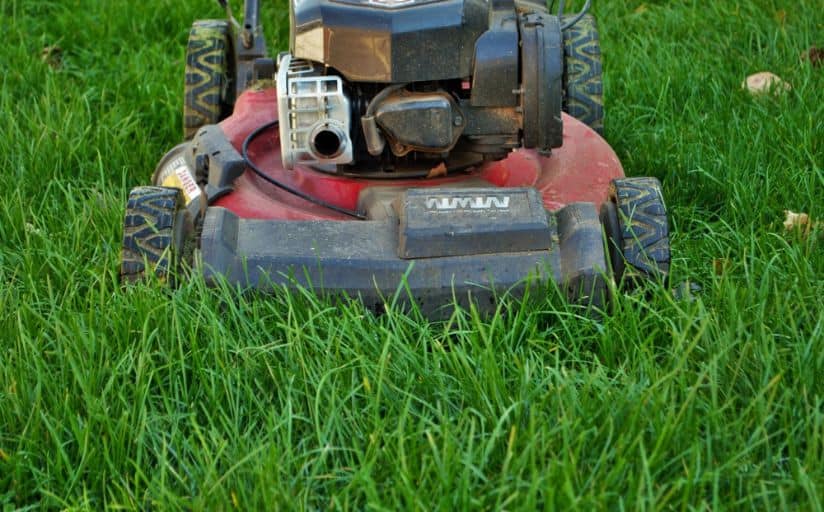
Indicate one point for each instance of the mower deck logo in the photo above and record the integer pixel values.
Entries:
(468, 203)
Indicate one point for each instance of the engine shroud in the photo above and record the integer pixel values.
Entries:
(389, 41)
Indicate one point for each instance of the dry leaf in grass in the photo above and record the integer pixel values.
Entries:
(52, 55)
(814, 56)
(720, 265)
(765, 83)
(641, 9)
(800, 222)
(795, 220)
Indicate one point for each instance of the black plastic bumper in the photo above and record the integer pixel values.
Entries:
(362, 259)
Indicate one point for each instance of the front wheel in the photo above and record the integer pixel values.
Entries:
(637, 231)
(156, 232)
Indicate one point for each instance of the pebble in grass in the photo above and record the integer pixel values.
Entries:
(765, 83)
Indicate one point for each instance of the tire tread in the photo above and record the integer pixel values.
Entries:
(148, 232)
(644, 234)
(583, 82)
(206, 79)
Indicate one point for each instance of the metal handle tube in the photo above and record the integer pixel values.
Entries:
(251, 21)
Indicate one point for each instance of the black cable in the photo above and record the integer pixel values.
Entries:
(320, 202)
(571, 23)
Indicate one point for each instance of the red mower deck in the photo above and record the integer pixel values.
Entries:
(579, 171)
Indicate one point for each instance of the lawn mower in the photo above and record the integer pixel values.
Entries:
(426, 152)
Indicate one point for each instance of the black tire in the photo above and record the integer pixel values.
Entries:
(637, 229)
(583, 82)
(155, 232)
(208, 90)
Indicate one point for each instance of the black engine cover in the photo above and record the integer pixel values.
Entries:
(390, 41)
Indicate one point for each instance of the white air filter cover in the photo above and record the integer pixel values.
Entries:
(313, 112)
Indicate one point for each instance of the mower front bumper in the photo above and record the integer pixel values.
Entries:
(362, 259)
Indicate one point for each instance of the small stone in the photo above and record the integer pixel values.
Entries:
(765, 83)
(687, 291)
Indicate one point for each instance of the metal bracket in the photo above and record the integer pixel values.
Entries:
(250, 45)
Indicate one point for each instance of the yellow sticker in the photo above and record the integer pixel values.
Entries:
(180, 177)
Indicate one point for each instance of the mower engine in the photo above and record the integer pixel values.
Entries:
(409, 85)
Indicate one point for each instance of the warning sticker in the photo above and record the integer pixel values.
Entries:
(180, 177)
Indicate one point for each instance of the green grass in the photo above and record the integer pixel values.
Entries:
(198, 398)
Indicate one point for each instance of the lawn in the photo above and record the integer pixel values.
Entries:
(197, 398)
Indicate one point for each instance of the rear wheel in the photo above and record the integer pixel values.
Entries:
(583, 84)
(208, 95)
(156, 229)
(637, 229)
